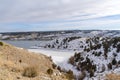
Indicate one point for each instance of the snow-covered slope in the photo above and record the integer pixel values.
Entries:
(95, 57)
(77, 41)
(100, 56)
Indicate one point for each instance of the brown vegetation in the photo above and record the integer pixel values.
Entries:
(50, 71)
(30, 72)
(1, 43)
(112, 76)
(16, 63)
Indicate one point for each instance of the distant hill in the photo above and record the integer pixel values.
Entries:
(34, 35)
(51, 35)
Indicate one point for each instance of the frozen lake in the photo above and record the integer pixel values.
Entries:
(24, 44)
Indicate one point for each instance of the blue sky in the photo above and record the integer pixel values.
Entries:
(45, 15)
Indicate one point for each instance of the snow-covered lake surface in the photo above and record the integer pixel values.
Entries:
(59, 57)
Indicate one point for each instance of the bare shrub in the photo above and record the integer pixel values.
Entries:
(109, 66)
(70, 75)
(30, 72)
(114, 62)
(50, 71)
(59, 68)
(1, 43)
(71, 60)
(91, 73)
(82, 76)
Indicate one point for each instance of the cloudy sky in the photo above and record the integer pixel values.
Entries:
(45, 15)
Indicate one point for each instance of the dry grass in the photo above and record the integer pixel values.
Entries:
(20, 64)
(113, 76)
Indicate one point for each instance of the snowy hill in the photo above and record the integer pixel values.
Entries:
(51, 35)
(95, 56)
(100, 56)
(77, 40)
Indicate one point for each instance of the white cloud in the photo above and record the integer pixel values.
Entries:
(33, 11)
(45, 10)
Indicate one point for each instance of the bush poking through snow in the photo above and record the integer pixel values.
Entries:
(71, 60)
(91, 73)
(114, 62)
(82, 75)
(109, 66)
(30, 72)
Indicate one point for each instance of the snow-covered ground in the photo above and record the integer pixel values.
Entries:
(59, 57)
(100, 56)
